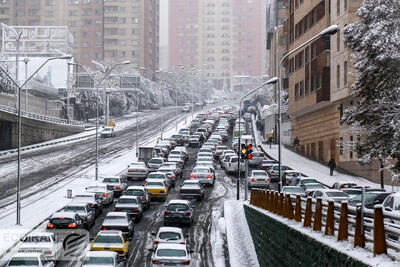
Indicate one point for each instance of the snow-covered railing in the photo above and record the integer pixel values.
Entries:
(375, 226)
(41, 117)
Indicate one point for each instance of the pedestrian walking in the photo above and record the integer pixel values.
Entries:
(332, 166)
(296, 142)
(270, 141)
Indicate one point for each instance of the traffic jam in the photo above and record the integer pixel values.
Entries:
(106, 215)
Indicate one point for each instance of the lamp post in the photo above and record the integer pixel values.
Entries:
(270, 81)
(106, 74)
(328, 31)
(26, 60)
(19, 88)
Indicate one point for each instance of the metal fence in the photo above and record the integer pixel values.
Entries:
(41, 117)
(378, 227)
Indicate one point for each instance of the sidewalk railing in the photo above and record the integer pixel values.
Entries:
(41, 117)
(380, 228)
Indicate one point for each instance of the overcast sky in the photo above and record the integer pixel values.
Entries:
(163, 22)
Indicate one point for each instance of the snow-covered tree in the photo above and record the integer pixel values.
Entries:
(375, 40)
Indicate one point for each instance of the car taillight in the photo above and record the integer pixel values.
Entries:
(105, 194)
(268, 181)
(175, 171)
(72, 225)
(173, 177)
(156, 262)
(48, 252)
(166, 212)
(209, 176)
(272, 171)
(185, 262)
(162, 191)
(116, 209)
(156, 242)
(143, 198)
(252, 180)
(182, 243)
(340, 187)
(192, 175)
(188, 213)
(104, 228)
(50, 225)
(117, 188)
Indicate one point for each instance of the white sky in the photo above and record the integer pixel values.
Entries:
(164, 22)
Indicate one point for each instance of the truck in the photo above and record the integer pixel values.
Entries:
(146, 153)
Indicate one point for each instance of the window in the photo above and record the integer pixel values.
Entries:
(301, 88)
(340, 113)
(338, 7)
(338, 40)
(296, 91)
(338, 76)
(341, 145)
(351, 146)
(345, 73)
(307, 54)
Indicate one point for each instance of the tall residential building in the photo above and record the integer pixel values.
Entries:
(223, 38)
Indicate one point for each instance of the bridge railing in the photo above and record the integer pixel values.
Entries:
(375, 227)
(41, 117)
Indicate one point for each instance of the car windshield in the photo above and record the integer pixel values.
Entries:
(127, 201)
(37, 239)
(308, 181)
(74, 208)
(353, 192)
(259, 174)
(314, 186)
(171, 253)
(200, 170)
(134, 192)
(61, 220)
(177, 207)
(107, 130)
(219, 148)
(336, 194)
(169, 236)
(111, 180)
(83, 198)
(155, 161)
(257, 154)
(26, 261)
(176, 136)
(293, 190)
(99, 261)
(108, 239)
(175, 152)
(156, 176)
(367, 196)
(115, 219)
(155, 184)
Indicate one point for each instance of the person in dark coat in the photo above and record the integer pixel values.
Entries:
(332, 166)
(270, 141)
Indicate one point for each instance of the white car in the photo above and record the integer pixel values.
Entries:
(330, 194)
(155, 163)
(43, 243)
(258, 178)
(108, 132)
(101, 258)
(232, 165)
(169, 235)
(30, 259)
(171, 255)
(103, 192)
(137, 170)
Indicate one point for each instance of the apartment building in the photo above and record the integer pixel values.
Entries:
(223, 38)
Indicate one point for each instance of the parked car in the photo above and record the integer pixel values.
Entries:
(203, 175)
(157, 188)
(293, 190)
(258, 178)
(392, 203)
(111, 241)
(192, 189)
(84, 211)
(178, 211)
(131, 205)
(101, 190)
(117, 184)
(107, 132)
(43, 243)
(32, 259)
(370, 199)
(341, 185)
(65, 220)
(102, 258)
(330, 194)
(257, 158)
(141, 193)
(137, 170)
(169, 235)
(95, 202)
(171, 255)
(118, 221)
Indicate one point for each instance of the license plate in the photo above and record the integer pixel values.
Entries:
(169, 264)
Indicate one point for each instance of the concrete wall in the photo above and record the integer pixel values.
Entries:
(33, 131)
(36, 104)
(277, 245)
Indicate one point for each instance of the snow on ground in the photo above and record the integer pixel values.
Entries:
(240, 243)
(344, 247)
(217, 237)
(35, 209)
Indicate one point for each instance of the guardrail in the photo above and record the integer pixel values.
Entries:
(374, 226)
(41, 117)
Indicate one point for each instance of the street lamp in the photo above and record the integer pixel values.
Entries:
(107, 73)
(19, 88)
(328, 31)
(270, 81)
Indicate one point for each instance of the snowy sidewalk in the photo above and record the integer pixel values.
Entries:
(317, 170)
(240, 243)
